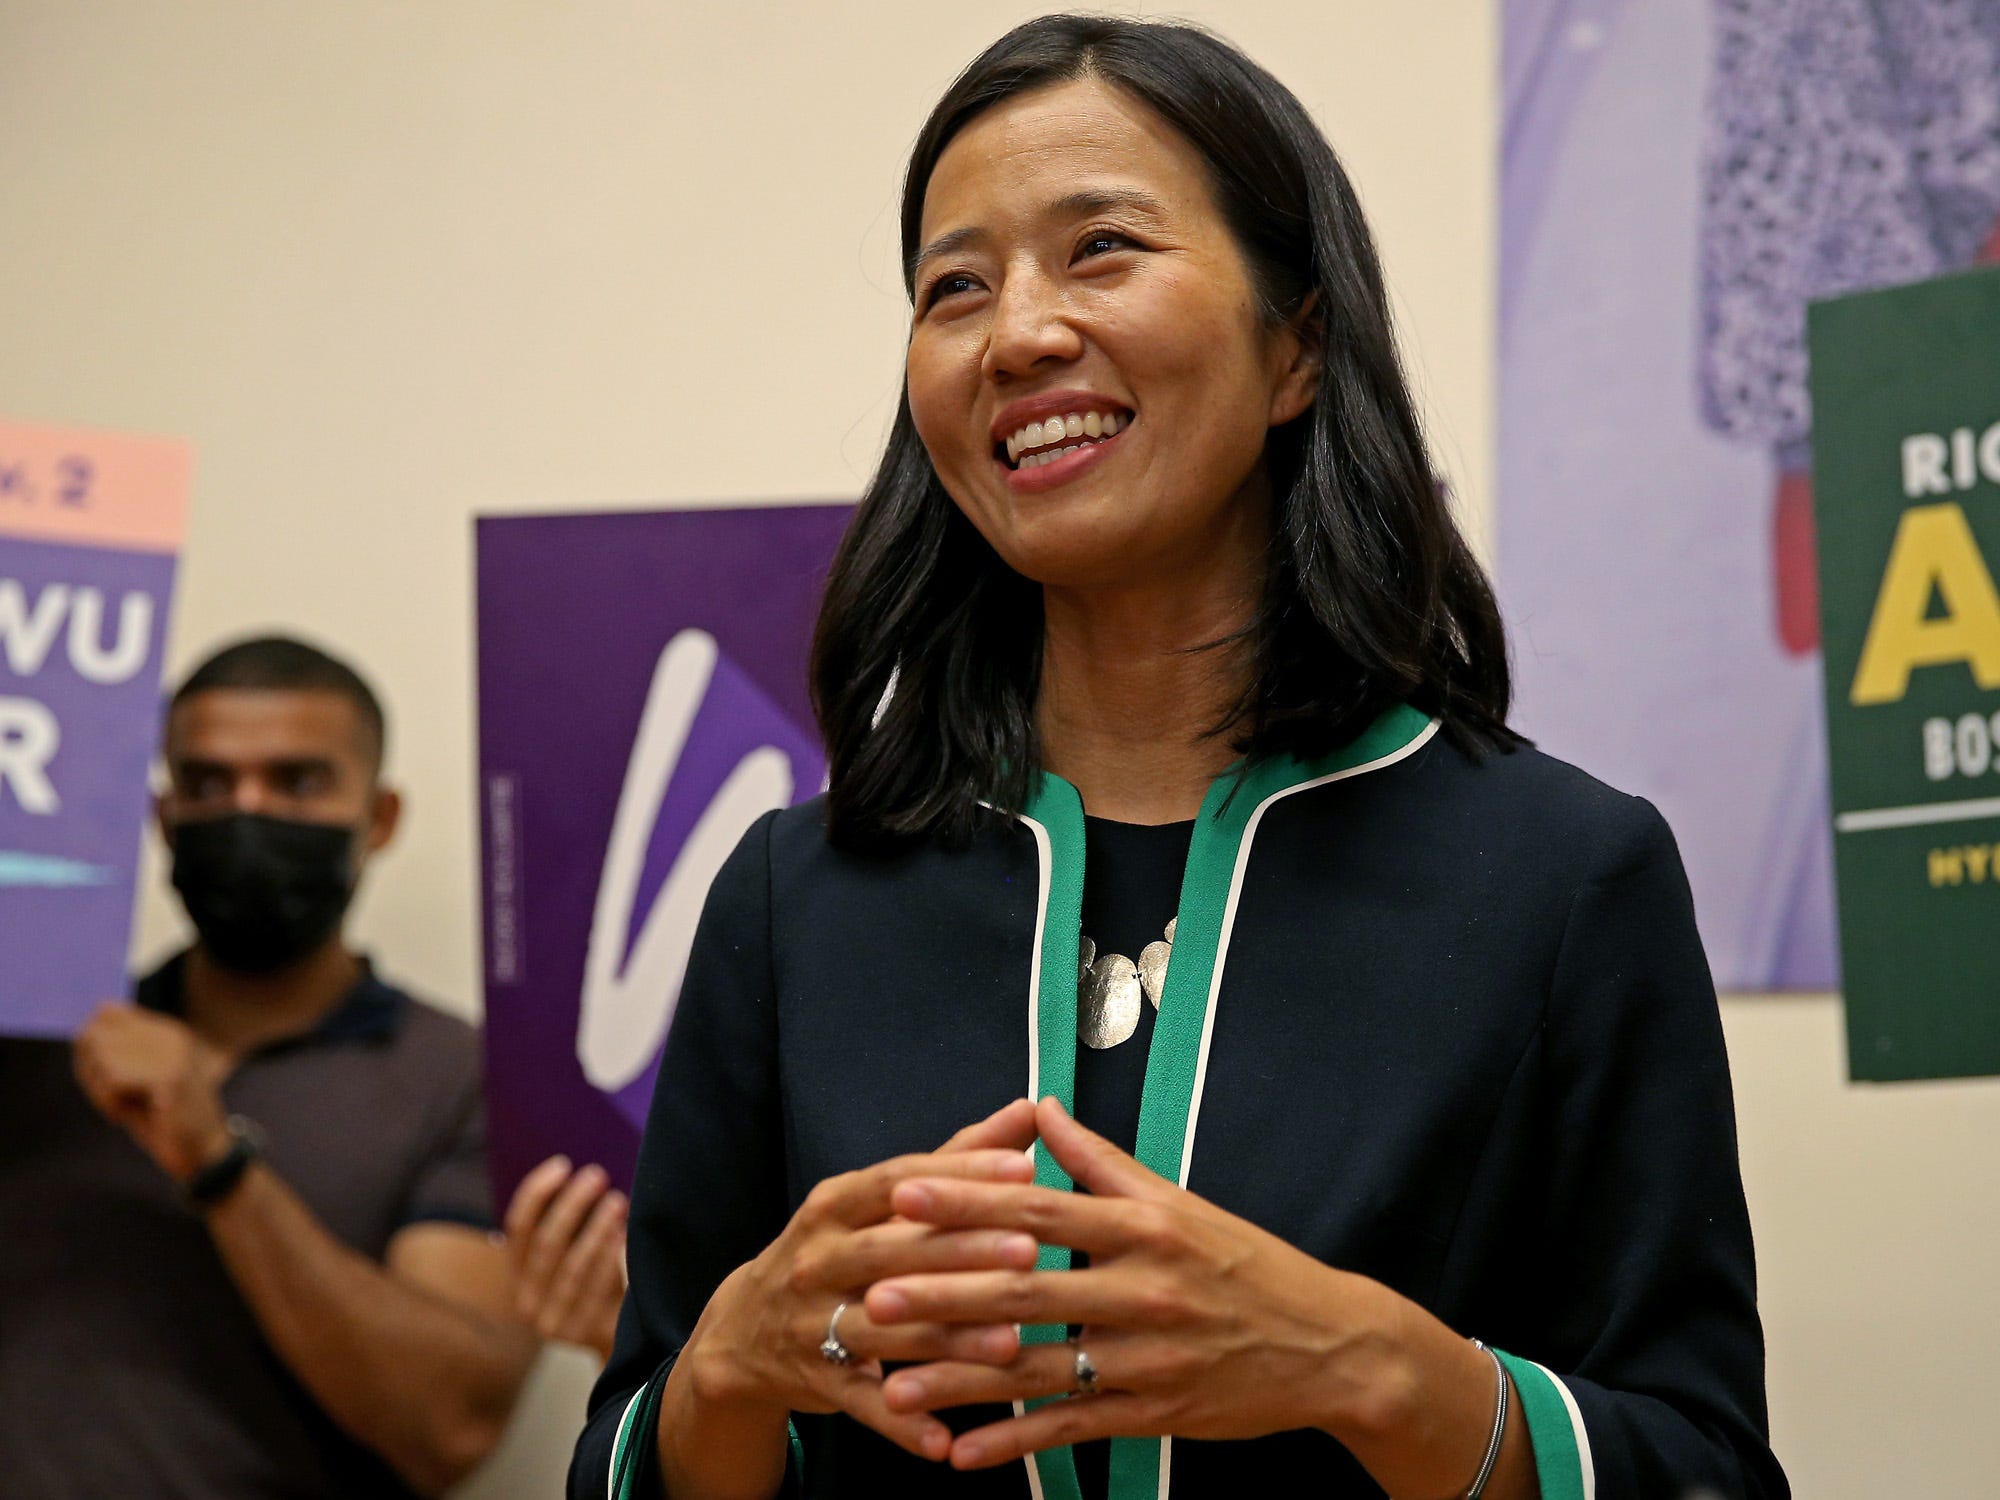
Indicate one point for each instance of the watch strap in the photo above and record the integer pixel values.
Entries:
(215, 1180)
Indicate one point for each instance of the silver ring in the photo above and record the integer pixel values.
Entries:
(1086, 1373)
(830, 1348)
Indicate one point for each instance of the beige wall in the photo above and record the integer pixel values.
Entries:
(390, 266)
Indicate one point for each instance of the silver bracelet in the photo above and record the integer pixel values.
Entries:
(1499, 1424)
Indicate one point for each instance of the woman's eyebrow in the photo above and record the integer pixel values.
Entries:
(1076, 205)
(944, 244)
(1088, 201)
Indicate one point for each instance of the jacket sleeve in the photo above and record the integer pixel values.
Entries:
(1649, 1375)
(709, 1191)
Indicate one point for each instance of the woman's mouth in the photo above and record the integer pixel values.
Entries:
(1045, 453)
(1042, 442)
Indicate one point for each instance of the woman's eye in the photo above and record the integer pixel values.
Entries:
(1102, 242)
(948, 285)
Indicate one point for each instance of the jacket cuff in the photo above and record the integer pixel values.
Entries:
(634, 1471)
(1555, 1429)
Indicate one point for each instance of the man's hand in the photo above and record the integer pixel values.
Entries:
(566, 1236)
(152, 1076)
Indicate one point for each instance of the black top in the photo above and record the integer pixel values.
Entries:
(129, 1363)
(1132, 890)
(1464, 1042)
(1129, 895)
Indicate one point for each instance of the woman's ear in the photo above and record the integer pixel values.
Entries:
(1301, 347)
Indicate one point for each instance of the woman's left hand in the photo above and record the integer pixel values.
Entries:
(1198, 1323)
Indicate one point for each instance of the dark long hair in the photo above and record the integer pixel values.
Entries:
(1371, 595)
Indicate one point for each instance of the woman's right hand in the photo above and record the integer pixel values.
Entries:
(757, 1345)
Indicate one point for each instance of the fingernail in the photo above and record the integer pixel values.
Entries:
(563, 1162)
(937, 1443)
(888, 1304)
(1019, 1247)
(910, 1390)
(1000, 1344)
(916, 1198)
(967, 1453)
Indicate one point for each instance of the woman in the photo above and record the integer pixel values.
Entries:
(1154, 658)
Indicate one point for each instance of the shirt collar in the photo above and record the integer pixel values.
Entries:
(371, 1010)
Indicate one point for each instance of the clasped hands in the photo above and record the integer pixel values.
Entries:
(1199, 1323)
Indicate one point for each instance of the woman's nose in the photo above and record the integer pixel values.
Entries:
(1031, 326)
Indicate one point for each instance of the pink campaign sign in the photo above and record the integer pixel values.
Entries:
(93, 489)
(90, 528)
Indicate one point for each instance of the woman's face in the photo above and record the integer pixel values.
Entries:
(1080, 294)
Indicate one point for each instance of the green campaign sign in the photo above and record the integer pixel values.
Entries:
(1906, 473)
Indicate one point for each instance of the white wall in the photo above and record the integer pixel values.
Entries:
(391, 266)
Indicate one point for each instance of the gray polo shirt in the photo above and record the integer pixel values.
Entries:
(129, 1364)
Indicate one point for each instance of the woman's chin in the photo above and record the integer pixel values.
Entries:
(1071, 544)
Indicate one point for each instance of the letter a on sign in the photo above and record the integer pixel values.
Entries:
(1934, 549)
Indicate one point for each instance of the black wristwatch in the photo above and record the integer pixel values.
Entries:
(213, 1182)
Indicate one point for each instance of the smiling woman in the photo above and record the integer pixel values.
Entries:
(1153, 636)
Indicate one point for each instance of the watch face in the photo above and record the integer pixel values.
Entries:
(247, 1132)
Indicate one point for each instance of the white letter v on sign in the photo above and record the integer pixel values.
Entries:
(627, 1005)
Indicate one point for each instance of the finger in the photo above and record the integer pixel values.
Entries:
(860, 1198)
(1039, 1370)
(1091, 1160)
(113, 1091)
(92, 1078)
(109, 1091)
(1111, 1295)
(531, 1201)
(1078, 1420)
(597, 1322)
(924, 1343)
(899, 1247)
(913, 1432)
(1012, 1124)
(83, 1066)
(1051, 1216)
(598, 1239)
(531, 1198)
(552, 1236)
(107, 1017)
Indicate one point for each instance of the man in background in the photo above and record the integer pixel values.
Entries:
(246, 1243)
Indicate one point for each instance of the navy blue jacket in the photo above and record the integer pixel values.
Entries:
(1463, 1040)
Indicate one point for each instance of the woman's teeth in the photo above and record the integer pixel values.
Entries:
(1080, 425)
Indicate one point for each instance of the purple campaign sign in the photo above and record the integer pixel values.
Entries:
(642, 701)
(81, 630)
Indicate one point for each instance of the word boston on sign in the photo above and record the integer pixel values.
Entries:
(90, 523)
(1906, 401)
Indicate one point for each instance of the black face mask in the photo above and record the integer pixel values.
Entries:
(263, 892)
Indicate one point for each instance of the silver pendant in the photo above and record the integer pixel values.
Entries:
(1107, 1005)
(1153, 969)
(1108, 989)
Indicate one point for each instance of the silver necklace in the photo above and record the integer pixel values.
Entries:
(1109, 989)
